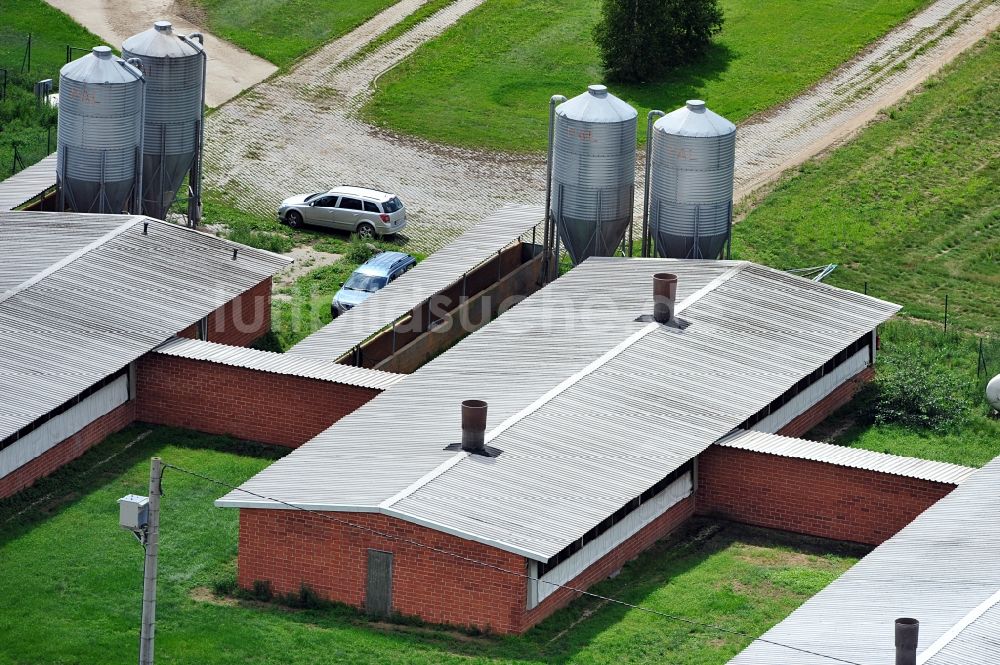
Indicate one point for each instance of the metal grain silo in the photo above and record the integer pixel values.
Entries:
(592, 164)
(689, 202)
(100, 134)
(174, 66)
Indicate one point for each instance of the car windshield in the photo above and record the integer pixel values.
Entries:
(392, 205)
(310, 197)
(369, 283)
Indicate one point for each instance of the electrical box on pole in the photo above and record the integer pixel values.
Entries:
(141, 516)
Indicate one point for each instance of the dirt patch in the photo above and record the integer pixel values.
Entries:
(304, 260)
(773, 557)
(424, 630)
(202, 594)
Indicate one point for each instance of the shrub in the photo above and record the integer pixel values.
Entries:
(916, 394)
(262, 591)
(642, 39)
(361, 250)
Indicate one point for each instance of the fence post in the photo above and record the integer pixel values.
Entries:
(27, 57)
(866, 288)
(946, 313)
(981, 361)
(3, 89)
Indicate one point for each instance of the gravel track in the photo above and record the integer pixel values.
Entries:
(300, 131)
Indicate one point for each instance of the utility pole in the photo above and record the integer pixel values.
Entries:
(149, 570)
(141, 516)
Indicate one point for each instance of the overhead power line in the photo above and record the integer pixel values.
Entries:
(416, 543)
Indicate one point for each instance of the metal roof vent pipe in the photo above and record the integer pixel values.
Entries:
(906, 641)
(474, 430)
(664, 297)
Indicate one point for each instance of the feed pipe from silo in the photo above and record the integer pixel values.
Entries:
(196, 208)
(549, 220)
(655, 113)
(136, 64)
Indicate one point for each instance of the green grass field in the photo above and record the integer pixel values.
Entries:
(282, 31)
(486, 81)
(72, 581)
(911, 206)
(21, 121)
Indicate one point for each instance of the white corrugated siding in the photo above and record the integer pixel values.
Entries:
(814, 393)
(64, 425)
(673, 494)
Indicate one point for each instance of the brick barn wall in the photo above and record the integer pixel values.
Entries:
(247, 404)
(290, 548)
(241, 321)
(824, 408)
(68, 449)
(809, 497)
(674, 517)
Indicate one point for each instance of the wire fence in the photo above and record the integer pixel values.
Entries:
(27, 118)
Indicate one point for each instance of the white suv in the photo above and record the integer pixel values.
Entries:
(367, 212)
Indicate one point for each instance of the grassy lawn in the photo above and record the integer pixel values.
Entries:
(282, 31)
(72, 581)
(911, 207)
(21, 121)
(502, 62)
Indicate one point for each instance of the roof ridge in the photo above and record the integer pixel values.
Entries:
(567, 383)
(953, 632)
(70, 258)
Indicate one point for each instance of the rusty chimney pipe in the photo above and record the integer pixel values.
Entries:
(906, 641)
(474, 426)
(664, 296)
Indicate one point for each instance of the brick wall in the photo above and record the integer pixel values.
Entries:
(244, 403)
(240, 321)
(290, 548)
(68, 449)
(824, 408)
(809, 497)
(674, 517)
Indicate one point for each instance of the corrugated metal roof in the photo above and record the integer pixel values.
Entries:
(938, 569)
(438, 271)
(978, 642)
(27, 184)
(857, 458)
(278, 363)
(590, 406)
(105, 302)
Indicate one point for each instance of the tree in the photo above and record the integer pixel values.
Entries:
(642, 39)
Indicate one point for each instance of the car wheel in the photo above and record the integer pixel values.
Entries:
(294, 219)
(366, 231)
(334, 310)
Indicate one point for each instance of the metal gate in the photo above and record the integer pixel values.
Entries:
(378, 592)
